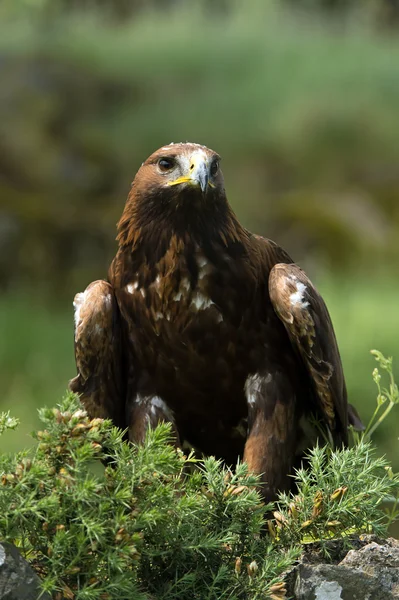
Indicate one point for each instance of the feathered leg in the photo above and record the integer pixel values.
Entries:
(272, 431)
(98, 353)
(147, 411)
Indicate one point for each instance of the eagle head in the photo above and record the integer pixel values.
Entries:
(179, 172)
(179, 188)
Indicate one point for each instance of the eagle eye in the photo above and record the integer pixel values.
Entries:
(166, 164)
(214, 167)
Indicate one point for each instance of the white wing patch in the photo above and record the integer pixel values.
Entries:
(196, 299)
(201, 261)
(158, 404)
(154, 405)
(160, 315)
(204, 267)
(253, 386)
(157, 284)
(132, 287)
(83, 300)
(185, 284)
(78, 301)
(201, 302)
(297, 298)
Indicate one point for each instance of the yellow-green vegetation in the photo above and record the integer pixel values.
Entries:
(303, 112)
(322, 508)
(303, 107)
(157, 524)
(145, 527)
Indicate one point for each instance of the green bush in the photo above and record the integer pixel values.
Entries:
(339, 493)
(156, 524)
(143, 527)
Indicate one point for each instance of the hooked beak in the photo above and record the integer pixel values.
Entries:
(198, 173)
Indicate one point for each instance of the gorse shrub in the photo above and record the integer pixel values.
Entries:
(142, 527)
(339, 493)
(100, 519)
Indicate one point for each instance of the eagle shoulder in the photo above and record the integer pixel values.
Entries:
(98, 352)
(306, 319)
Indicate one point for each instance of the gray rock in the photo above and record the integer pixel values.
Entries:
(368, 573)
(18, 581)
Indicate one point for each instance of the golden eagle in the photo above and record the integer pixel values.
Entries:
(208, 326)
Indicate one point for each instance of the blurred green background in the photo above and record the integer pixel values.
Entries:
(301, 99)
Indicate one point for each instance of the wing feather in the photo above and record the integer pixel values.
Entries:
(98, 352)
(308, 324)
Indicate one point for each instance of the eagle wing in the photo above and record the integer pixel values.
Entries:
(98, 353)
(306, 319)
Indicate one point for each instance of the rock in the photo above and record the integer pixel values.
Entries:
(18, 581)
(368, 573)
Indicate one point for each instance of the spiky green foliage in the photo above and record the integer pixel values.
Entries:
(7, 422)
(143, 527)
(339, 493)
(154, 524)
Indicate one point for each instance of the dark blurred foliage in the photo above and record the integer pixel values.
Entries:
(300, 97)
(380, 13)
(305, 116)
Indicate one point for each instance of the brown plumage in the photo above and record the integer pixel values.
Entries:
(207, 326)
